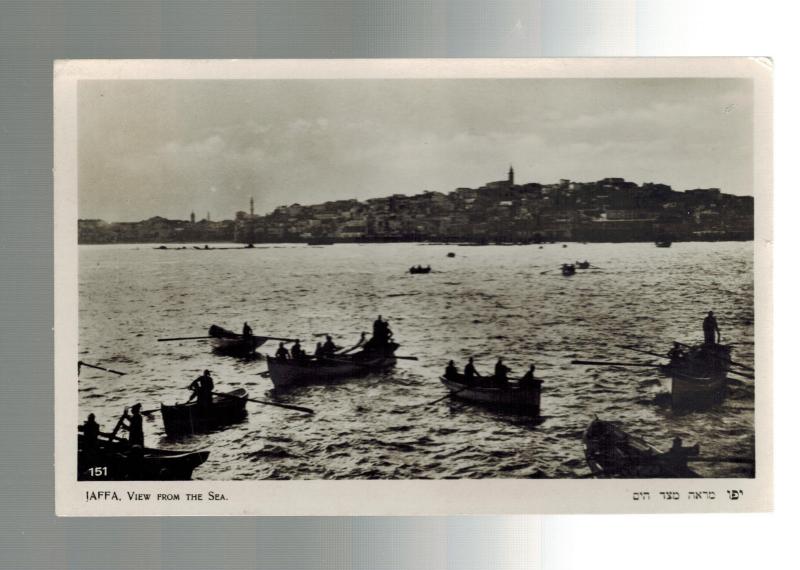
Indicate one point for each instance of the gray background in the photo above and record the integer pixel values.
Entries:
(34, 33)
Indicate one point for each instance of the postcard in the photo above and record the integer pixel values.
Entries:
(413, 287)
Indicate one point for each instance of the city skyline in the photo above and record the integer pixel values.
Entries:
(167, 148)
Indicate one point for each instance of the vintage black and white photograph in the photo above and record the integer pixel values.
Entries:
(418, 276)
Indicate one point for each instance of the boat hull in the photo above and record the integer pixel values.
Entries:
(192, 418)
(121, 465)
(698, 380)
(524, 401)
(229, 342)
(286, 373)
(612, 453)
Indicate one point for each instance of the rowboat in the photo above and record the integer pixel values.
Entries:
(420, 269)
(192, 417)
(582, 264)
(286, 372)
(699, 378)
(663, 243)
(516, 399)
(567, 269)
(229, 342)
(124, 463)
(611, 452)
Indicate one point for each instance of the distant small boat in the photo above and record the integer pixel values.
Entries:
(190, 418)
(233, 343)
(611, 452)
(514, 398)
(451, 254)
(567, 269)
(663, 243)
(123, 463)
(420, 269)
(582, 264)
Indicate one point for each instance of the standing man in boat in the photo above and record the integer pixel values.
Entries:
(134, 425)
(247, 332)
(282, 353)
(203, 389)
(501, 373)
(711, 329)
(470, 374)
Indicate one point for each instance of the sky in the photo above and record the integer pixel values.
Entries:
(170, 147)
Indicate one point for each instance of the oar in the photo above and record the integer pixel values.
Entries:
(82, 363)
(266, 403)
(635, 349)
(445, 397)
(406, 358)
(186, 338)
(725, 359)
(742, 374)
(601, 363)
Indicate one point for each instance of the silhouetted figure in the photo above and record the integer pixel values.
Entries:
(297, 352)
(501, 373)
(528, 380)
(451, 372)
(134, 426)
(676, 352)
(91, 430)
(381, 334)
(711, 329)
(246, 330)
(319, 352)
(470, 374)
(203, 389)
(282, 353)
(329, 348)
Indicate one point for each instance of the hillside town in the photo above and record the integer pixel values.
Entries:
(608, 210)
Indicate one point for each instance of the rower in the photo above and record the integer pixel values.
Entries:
(90, 432)
(134, 426)
(451, 372)
(676, 352)
(528, 380)
(203, 388)
(710, 327)
(319, 352)
(329, 348)
(282, 353)
(470, 374)
(501, 373)
(297, 352)
(246, 330)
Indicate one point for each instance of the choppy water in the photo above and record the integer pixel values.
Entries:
(487, 301)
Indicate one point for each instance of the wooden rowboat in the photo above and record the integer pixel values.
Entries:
(415, 270)
(124, 463)
(698, 379)
(663, 243)
(516, 399)
(289, 372)
(567, 269)
(229, 342)
(192, 417)
(582, 264)
(611, 452)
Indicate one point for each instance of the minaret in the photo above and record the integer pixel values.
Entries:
(511, 175)
(208, 216)
(252, 209)
(192, 217)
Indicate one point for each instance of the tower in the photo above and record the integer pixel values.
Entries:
(252, 209)
(192, 217)
(511, 175)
